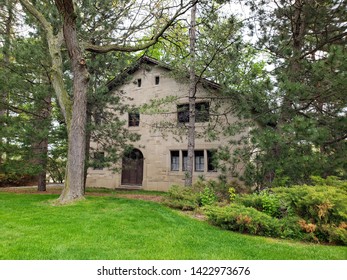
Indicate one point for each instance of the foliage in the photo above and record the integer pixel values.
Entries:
(207, 197)
(243, 219)
(298, 107)
(232, 194)
(31, 228)
(319, 204)
(312, 213)
(184, 198)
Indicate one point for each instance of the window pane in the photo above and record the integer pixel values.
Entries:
(184, 160)
(183, 113)
(199, 161)
(139, 82)
(134, 119)
(157, 80)
(202, 112)
(175, 156)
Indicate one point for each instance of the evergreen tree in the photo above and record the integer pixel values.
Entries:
(301, 117)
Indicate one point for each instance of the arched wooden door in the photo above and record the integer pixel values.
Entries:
(132, 168)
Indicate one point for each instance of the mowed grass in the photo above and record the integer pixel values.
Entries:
(114, 228)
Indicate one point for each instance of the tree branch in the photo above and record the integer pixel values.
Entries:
(129, 48)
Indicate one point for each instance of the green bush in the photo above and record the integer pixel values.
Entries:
(219, 188)
(329, 181)
(319, 204)
(308, 213)
(184, 198)
(334, 234)
(264, 201)
(270, 204)
(207, 197)
(250, 200)
(243, 219)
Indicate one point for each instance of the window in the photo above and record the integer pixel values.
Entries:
(139, 82)
(157, 80)
(183, 113)
(134, 119)
(175, 159)
(98, 160)
(199, 161)
(184, 160)
(202, 112)
(211, 161)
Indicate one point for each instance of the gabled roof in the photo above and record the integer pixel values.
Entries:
(119, 79)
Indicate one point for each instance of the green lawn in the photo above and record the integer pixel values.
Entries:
(115, 228)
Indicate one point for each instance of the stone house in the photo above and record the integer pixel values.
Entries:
(158, 159)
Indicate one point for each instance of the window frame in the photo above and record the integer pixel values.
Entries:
(202, 112)
(199, 161)
(133, 119)
(174, 160)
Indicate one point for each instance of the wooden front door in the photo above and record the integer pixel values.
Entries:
(132, 168)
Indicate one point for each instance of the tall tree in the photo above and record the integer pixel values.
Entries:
(74, 110)
(191, 97)
(302, 118)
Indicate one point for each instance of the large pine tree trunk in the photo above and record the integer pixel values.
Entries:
(74, 179)
(192, 91)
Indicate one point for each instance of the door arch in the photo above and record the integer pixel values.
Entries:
(132, 168)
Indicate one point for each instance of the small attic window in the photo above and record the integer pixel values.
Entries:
(157, 80)
(139, 82)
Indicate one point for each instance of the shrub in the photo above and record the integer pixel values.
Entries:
(207, 197)
(251, 200)
(270, 204)
(333, 234)
(184, 198)
(243, 219)
(264, 201)
(219, 188)
(319, 204)
(232, 194)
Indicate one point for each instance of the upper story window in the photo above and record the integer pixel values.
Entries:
(157, 80)
(202, 112)
(134, 119)
(139, 82)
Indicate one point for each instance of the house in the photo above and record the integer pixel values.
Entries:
(159, 158)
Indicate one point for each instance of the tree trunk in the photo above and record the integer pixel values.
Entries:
(192, 91)
(43, 146)
(74, 179)
(6, 60)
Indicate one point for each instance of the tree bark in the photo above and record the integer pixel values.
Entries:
(192, 91)
(6, 60)
(43, 145)
(74, 179)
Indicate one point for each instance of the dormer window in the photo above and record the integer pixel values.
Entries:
(157, 80)
(139, 82)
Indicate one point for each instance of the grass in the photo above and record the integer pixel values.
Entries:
(115, 228)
